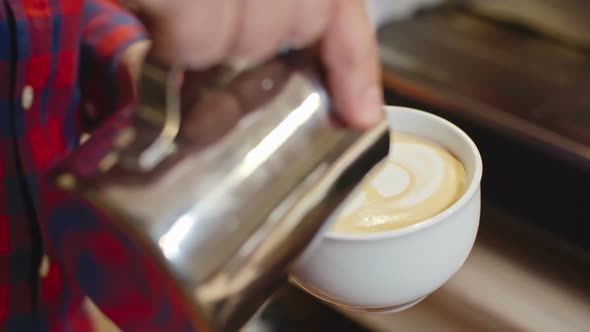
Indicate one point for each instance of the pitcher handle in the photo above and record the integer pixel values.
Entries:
(159, 105)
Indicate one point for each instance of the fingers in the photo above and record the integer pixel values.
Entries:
(349, 52)
(263, 28)
(310, 20)
(202, 33)
(191, 33)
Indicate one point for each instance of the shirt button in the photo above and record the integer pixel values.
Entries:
(44, 267)
(27, 97)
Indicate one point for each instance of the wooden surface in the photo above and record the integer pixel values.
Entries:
(564, 20)
(516, 82)
(512, 281)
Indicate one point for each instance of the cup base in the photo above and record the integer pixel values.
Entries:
(379, 310)
(397, 308)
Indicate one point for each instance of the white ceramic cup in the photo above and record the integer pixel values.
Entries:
(393, 270)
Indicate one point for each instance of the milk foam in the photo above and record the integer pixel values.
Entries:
(417, 181)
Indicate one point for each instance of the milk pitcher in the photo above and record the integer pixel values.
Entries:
(225, 202)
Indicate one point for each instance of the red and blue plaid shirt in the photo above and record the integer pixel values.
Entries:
(58, 64)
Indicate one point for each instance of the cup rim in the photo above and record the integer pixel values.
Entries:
(436, 219)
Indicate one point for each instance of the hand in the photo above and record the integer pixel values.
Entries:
(201, 33)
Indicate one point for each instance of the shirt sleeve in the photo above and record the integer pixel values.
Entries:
(107, 30)
(120, 277)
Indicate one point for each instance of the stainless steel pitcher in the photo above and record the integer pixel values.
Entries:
(226, 194)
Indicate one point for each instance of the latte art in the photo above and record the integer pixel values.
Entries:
(417, 181)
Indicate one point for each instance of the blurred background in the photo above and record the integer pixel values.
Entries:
(515, 75)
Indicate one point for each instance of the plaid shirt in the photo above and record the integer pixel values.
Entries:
(58, 61)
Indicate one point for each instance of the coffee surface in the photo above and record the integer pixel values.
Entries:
(418, 180)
